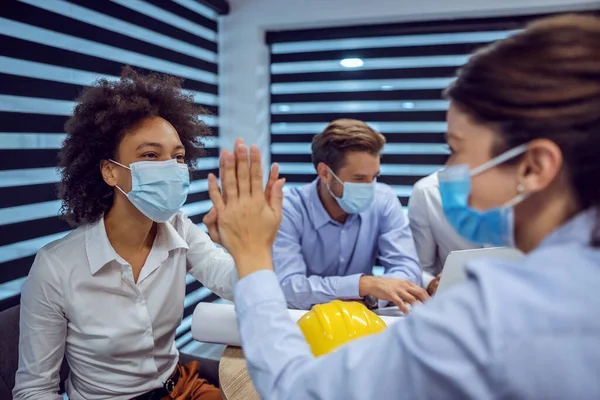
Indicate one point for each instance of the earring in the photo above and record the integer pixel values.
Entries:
(520, 188)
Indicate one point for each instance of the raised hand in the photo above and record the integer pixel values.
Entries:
(248, 217)
(211, 218)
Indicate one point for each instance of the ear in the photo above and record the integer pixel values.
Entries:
(323, 172)
(542, 164)
(108, 171)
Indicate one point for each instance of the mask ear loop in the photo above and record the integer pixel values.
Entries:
(329, 186)
(120, 165)
(502, 158)
(335, 176)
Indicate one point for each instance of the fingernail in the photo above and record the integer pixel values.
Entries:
(229, 157)
(254, 148)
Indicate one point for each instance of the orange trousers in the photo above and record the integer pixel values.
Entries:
(191, 387)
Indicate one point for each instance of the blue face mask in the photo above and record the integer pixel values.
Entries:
(158, 188)
(490, 227)
(357, 197)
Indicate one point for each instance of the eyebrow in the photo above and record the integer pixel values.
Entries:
(360, 176)
(157, 145)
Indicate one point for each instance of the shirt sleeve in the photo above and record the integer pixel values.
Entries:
(209, 263)
(302, 291)
(397, 252)
(426, 355)
(42, 333)
(421, 230)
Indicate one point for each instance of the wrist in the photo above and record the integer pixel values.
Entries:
(364, 285)
(249, 261)
(429, 287)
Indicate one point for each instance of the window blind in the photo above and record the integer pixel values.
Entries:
(390, 76)
(49, 51)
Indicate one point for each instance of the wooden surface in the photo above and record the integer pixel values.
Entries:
(233, 376)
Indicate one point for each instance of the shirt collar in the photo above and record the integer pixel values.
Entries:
(98, 249)
(319, 216)
(577, 229)
(100, 252)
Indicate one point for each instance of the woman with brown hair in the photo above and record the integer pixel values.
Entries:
(524, 129)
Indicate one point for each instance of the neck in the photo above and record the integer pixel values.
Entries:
(330, 204)
(127, 228)
(542, 215)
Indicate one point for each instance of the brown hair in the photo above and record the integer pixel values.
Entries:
(341, 137)
(543, 82)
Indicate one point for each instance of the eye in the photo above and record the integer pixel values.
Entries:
(149, 155)
(180, 158)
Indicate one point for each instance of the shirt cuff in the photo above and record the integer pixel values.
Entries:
(382, 303)
(348, 287)
(427, 278)
(256, 288)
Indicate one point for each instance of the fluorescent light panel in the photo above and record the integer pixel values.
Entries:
(359, 106)
(370, 63)
(360, 85)
(389, 41)
(386, 169)
(389, 148)
(285, 128)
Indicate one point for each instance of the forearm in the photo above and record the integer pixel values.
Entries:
(303, 292)
(270, 338)
(409, 271)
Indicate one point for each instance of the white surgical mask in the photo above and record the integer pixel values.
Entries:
(158, 188)
(357, 197)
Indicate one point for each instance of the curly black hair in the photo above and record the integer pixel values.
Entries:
(105, 111)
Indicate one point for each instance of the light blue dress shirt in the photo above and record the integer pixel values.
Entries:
(318, 259)
(526, 329)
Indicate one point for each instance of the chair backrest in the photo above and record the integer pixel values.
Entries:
(9, 353)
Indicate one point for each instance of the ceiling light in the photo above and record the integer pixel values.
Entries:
(387, 87)
(408, 105)
(351, 63)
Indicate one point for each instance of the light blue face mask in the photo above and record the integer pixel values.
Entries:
(357, 197)
(490, 227)
(158, 188)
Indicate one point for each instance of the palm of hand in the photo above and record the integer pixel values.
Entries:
(236, 229)
(248, 216)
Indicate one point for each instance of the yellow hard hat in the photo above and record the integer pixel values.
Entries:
(328, 326)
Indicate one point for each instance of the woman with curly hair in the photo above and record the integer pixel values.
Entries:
(110, 295)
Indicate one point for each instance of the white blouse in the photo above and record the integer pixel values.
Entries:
(80, 299)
